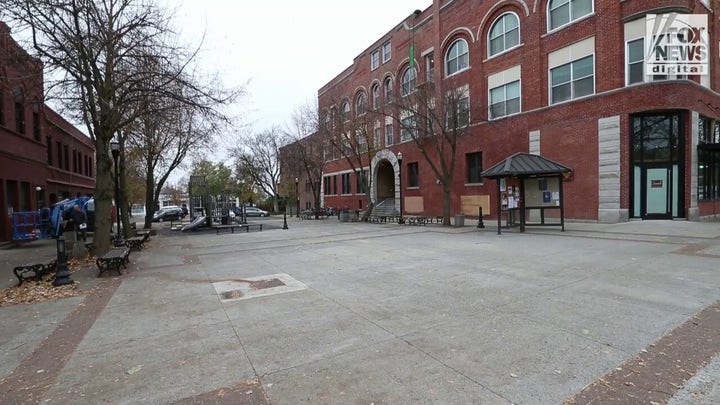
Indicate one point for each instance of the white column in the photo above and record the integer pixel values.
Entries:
(609, 170)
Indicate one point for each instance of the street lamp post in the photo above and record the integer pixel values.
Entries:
(297, 200)
(62, 274)
(38, 189)
(115, 149)
(400, 159)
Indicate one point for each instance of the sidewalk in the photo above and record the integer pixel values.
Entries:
(338, 313)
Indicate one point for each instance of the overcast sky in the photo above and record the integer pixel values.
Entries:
(285, 49)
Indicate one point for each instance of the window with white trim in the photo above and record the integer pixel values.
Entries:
(457, 108)
(430, 67)
(361, 104)
(635, 65)
(345, 111)
(389, 136)
(505, 100)
(386, 52)
(504, 34)
(374, 60)
(377, 137)
(408, 126)
(388, 89)
(457, 58)
(408, 82)
(563, 12)
(375, 96)
(572, 80)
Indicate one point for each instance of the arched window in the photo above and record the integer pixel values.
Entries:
(388, 89)
(457, 58)
(504, 34)
(361, 104)
(409, 81)
(19, 97)
(375, 96)
(561, 12)
(345, 111)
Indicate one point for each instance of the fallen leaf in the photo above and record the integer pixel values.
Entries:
(134, 369)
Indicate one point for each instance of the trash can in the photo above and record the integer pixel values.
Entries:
(460, 220)
(344, 217)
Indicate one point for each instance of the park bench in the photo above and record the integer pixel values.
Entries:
(138, 242)
(378, 219)
(232, 227)
(34, 269)
(416, 221)
(113, 259)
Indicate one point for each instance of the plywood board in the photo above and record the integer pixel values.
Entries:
(469, 204)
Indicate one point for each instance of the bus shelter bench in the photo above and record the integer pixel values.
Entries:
(113, 260)
(35, 269)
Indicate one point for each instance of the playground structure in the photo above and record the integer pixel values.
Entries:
(212, 209)
(47, 222)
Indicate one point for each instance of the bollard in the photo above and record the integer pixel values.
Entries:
(480, 224)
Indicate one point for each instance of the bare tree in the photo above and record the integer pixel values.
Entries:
(353, 131)
(102, 54)
(434, 117)
(304, 153)
(259, 160)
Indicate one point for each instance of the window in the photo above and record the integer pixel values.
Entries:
(572, 80)
(374, 60)
(327, 120)
(345, 112)
(361, 182)
(19, 110)
(504, 34)
(375, 96)
(636, 65)
(326, 185)
(386, 52)
(473, 163)
(409, 81)
(635, 61)
(408, 127)
(457, 108)
(505, 100)
(413, 174)
(61, 162)
(361, 104)
(36, 120)
(346, 189)
(334, 184)
(562, 12)
(388, 90)
(66, 152)
(389, 137)
(457, 58)
(708, 159)
(430, 67)
(48, 144)
(377, 137)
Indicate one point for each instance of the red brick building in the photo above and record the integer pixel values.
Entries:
(563, 79)
(43, 158)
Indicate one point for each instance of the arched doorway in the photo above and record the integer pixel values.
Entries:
(385, 172)
(385, 181)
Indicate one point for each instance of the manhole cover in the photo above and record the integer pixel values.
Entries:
(261, 284)
(229, 295)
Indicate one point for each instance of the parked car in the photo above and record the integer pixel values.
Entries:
(255, 212)
(168, 214)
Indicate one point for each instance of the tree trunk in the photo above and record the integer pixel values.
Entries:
(446, 205)
(104, 186)
(149, 198)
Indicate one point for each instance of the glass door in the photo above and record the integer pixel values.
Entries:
(657, 194)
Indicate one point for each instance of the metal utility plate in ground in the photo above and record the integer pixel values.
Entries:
(251, 287)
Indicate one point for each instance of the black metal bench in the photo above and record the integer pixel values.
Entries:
(35, 269)
(136, 242)
(113, 260)
(232, 227)
(378, 219)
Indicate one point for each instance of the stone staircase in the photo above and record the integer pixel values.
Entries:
(385, 208)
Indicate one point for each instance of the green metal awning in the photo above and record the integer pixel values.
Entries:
(524, 165)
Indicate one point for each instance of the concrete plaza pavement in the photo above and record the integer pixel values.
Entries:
(385, 314)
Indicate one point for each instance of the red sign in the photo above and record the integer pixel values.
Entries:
(656, 183)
